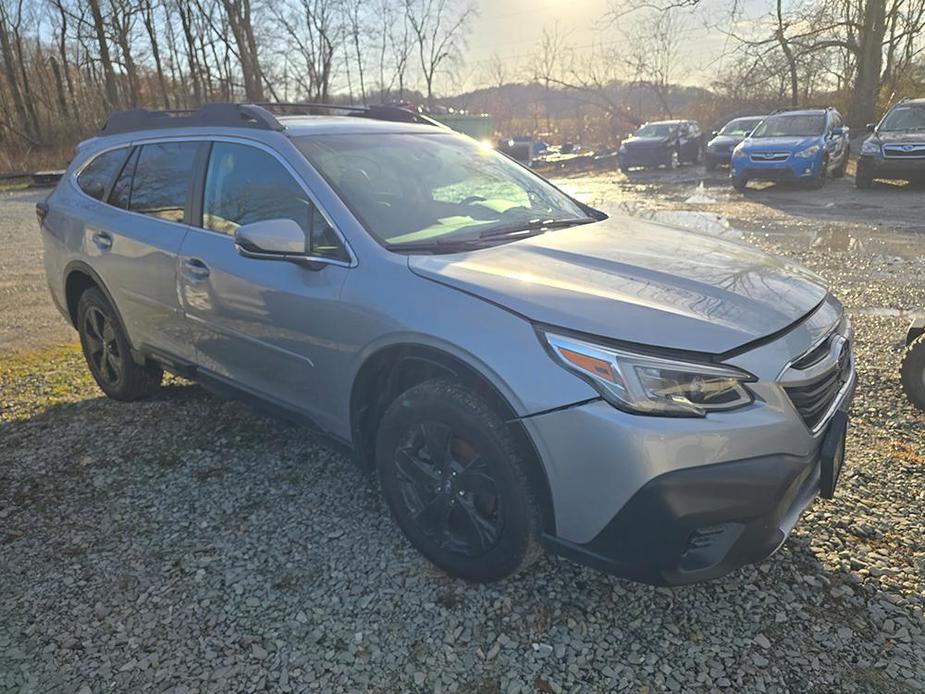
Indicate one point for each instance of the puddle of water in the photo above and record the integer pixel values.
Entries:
(700, 197)
(695, 220)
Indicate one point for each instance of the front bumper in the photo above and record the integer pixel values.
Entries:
(700, 523)
(792, 169)
(670, 501)
(881, 167)
(717, 158)
(645, 156)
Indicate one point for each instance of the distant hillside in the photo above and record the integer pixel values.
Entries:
(594, 117)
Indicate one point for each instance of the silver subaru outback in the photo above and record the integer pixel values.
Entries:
(519, 369)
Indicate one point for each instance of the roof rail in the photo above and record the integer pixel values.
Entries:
(398, 114)
(256, 116)
(801, 108)
(209, 115)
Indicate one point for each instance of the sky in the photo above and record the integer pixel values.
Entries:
(512, 29)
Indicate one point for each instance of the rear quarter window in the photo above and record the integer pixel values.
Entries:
(98, 174)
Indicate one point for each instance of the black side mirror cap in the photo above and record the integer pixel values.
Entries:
(871, 127)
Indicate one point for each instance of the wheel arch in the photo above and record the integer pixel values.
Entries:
(393, 369)
(78, 278)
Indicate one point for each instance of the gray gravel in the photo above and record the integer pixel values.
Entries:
(28, 320)
(185, 544)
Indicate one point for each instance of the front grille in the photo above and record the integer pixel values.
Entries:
(814, 399)
(905, 151)
(770, 156)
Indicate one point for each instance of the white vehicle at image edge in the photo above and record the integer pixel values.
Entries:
(519, 369)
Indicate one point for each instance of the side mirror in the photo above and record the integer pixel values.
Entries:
(838, 132)
(271, 239)
(714, 133)
(871, 127)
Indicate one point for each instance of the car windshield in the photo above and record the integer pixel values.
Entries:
(798, 125)
(904, 118)
(435, 188)
(740, 127)
(657, 130)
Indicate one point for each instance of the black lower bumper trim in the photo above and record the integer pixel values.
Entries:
(699, 523)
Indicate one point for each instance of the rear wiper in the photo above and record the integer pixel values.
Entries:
(534, 225)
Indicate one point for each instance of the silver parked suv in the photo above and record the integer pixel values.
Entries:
(519, 369)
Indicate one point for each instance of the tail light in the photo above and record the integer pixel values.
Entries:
(41, 211)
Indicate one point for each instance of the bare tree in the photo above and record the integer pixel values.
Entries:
(440, 29)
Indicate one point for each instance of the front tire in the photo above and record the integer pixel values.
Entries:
(740, 183)
(456, 483)
(818, 182)
(912, 372)
(863, 179)
(108, 353)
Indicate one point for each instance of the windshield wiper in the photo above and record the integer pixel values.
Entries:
(535, 226)
(532, 227)
(439, 245)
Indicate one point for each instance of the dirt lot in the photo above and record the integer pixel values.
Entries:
(185, 544)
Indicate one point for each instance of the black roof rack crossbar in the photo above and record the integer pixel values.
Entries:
(209, 115)
(398, 114)
(801, 108)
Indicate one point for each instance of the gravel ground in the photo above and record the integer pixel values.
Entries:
(28, 319)
(185, 544)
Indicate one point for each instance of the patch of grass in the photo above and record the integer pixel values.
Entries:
(33, 381)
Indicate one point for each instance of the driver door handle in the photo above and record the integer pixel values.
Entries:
(195, 269)
(102, 240)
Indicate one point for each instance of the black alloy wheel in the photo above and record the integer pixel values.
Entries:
(449, 489)
(107, 351)
(456, 482)
(103, 353)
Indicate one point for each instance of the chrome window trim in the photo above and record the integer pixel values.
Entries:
(247, 142)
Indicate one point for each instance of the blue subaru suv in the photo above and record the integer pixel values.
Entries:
(795, 145)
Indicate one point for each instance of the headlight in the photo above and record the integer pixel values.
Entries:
(870, 147)
(807, 153)
(652, 385)
(738, 152)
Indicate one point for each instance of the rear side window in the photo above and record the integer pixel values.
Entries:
(245, 184)
(97, 175)
(122, 190)
(161, 184)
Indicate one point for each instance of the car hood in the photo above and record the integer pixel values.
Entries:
(725, 141)
(900, 136)
(646, 142)
(636, 281)
(777, 144)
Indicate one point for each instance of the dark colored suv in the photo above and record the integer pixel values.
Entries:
(896, 146)
(662, 143)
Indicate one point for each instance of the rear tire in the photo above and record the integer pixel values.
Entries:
(108, 353)
(912, 372)
(456, 483)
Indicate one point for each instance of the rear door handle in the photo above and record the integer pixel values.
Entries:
(102, 240)
(195, 269)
